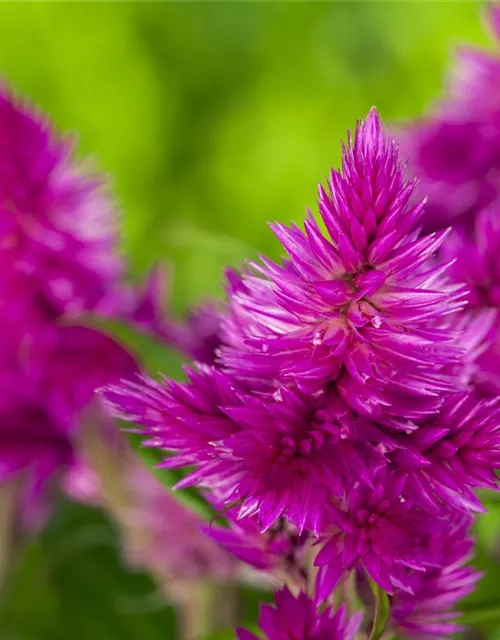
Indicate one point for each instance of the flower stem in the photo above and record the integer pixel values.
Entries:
(381, 610)
(8, 504)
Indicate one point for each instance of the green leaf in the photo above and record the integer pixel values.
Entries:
(488, 614)
(381, 610)
(72, 583)
(227, 634)
(151, 352)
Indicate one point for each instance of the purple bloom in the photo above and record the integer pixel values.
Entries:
(280, 454)
(455, 152)
(364, 304)
(476, 261)
(298, 619)
(59, 261)
(39, 417)
(200, 337)
(279, 551)
(457, 165)
(58, 252)
(429, 613)
(187, 419)
(378, 529)
(451, 454)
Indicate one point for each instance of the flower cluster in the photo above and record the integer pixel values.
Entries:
(334, 410)
(297, 618)
(60, 261)
(456, 151)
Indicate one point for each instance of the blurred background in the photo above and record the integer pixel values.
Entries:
(210, 119)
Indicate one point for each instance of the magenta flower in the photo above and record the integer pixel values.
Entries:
(59, 260)
(455, 153)
(363, 304)
(456, 162)
(280, 454)
(278, 551)
(39, 417)
(451, 454)
(429, 613)
(58, 252)
(376, 528)
(476, 261)
(298, 619)
(187, 419)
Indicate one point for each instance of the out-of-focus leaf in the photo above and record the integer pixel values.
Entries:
(72, 583)
(154, 355)
(228, 634)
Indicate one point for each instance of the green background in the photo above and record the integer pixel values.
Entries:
(210, 119)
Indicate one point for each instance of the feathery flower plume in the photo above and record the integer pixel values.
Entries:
(378, 529)
(455, 152)
(429, 613)
(280, 454)
(59, 260)
(363, 304)
(298, 619)
(451, 454)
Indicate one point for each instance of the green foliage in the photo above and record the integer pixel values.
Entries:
(71, 583)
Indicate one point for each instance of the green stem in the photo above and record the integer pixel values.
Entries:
(381, 610)
(8, 509)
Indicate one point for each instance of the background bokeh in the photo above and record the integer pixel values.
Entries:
(210, 119)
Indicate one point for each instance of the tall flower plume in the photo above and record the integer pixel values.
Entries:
(59, 260)
(428, 612)
(333, 411)
(298, 619)
(279, 454)
(455, 152)
(362, 304)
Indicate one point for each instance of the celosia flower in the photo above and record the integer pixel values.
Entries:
(363, 303)
(58, 251)
(280, 454)
(39, 418)
(428, 613)
(280, 550)
(476, 261)
(186, 418)
(200, 336)
(59, 260)
(451, 454)
(378, 529)
(455, 161)
(455, 152)
(298, 619)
